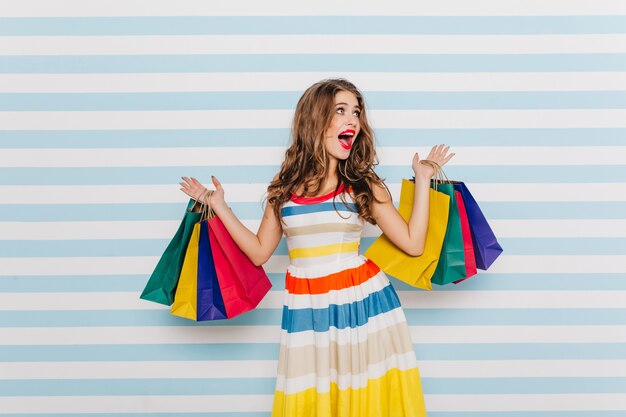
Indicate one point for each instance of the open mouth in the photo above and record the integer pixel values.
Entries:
(345, 138)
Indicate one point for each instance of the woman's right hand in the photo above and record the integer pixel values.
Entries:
(194, 189)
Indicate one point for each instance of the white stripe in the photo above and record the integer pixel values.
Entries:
(320, 8)
(300, 81)
(513, 299)
(559, 228)
(165, 229)
(537, 228)
(322, 239)
(313, 44)
(273, 156)
(355, 381)
(263, 403)
(71, 301)
(139, 265)
(513, 155)
(330, 216)
(236, 193)
(142, 157)
(233, 119)
(268, 368)
(139, 369)
(518, 334)
(271, 334)
(139, 335)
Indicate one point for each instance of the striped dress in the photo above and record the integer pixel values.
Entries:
(345, 348)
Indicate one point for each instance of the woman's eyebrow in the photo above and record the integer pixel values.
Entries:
(336, 104)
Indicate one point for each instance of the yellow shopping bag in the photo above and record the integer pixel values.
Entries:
(186, 298)
(414, 270)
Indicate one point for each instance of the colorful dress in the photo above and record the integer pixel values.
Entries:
(345, 348)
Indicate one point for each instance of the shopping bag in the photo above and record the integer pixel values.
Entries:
(185, 300)
(486, 246)
(451, 265)
(162, 283)
(468, 246)
(242, 284)
(210, 305)
(414, 270)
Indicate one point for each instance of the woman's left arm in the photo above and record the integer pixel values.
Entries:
(410, 237)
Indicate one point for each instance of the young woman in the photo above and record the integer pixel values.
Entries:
(345, 348)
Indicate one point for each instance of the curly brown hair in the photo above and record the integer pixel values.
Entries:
(306, 160)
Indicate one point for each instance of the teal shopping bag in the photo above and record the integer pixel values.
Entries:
(161, 286)
(451, 266)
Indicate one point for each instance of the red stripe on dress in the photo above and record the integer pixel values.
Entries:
(337, 281)
(313, 200)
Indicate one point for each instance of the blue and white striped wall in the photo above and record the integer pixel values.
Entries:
(105, 104)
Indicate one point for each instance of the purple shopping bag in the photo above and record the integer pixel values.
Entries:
(210, 302)
(486, 246)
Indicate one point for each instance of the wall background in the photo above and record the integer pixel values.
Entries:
(105, 104)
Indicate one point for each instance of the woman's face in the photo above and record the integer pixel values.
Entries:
(344, 126)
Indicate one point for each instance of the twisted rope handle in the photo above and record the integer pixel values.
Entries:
(207, 212)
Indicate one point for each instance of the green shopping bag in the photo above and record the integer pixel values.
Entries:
(451, 266)
(161, 286)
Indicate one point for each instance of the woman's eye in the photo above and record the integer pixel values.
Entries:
(339, 109)
(358, 113)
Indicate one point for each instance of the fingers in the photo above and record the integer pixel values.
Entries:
(194, 188)
(439, 154)
(216, 183)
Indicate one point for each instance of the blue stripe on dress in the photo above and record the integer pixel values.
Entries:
(340, 316)
(315, 208)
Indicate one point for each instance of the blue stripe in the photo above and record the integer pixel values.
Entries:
(125, 318)
(287, 25)
(481, 282)
(151, 138)
(338, 205)
(280, 137)
(518, 385)
(264, 174)
(264, 100)
(170, 386)
(525, 282)
(253, 211)
(269, 351)
(266, 386)
(311, 62)
(340, 316)
(155, 247)
(356, 312)
(140, 352)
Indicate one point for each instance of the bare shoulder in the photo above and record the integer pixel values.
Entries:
(380, 192)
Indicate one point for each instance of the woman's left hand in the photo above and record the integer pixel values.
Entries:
(438, 154)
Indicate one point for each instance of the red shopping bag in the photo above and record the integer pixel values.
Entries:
(242, 284)
(468, 246)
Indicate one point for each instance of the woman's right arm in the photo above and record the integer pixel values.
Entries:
(257, 247)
